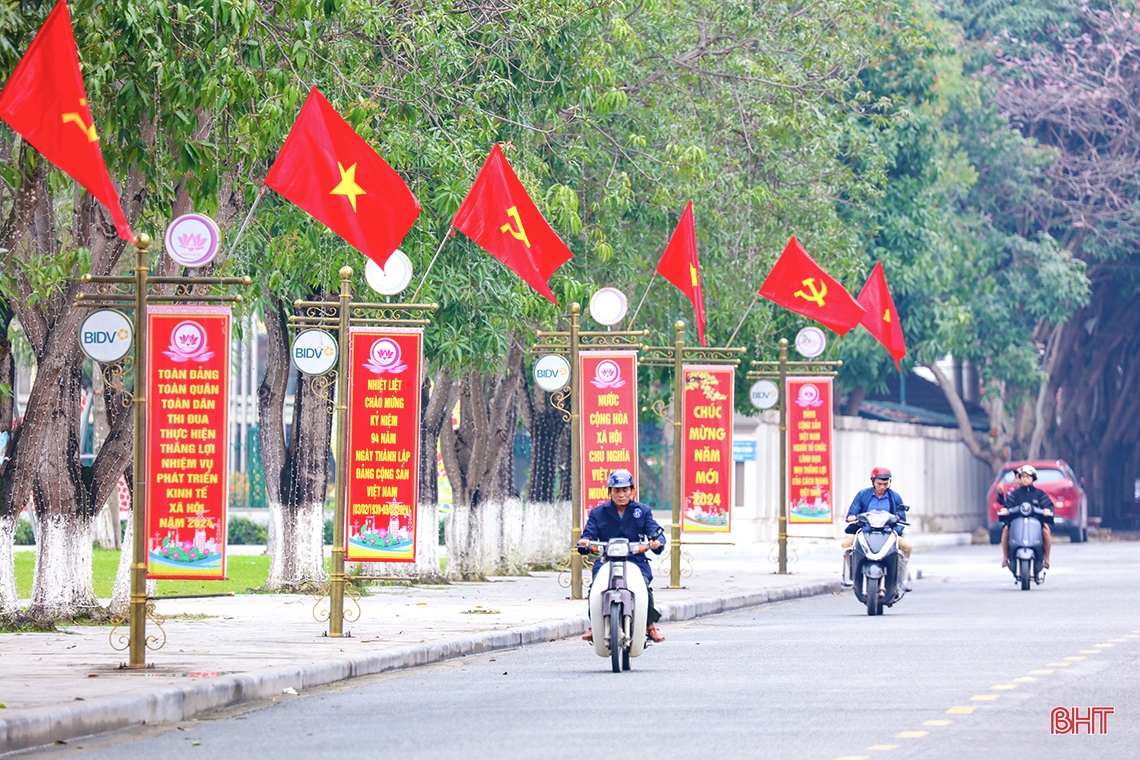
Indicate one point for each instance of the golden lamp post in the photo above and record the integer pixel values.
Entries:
(783, 369)
(342, 314)
(116, 291)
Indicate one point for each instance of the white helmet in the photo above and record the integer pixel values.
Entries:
(1027, 469)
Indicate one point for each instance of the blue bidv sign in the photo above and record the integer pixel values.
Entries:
(744, 451)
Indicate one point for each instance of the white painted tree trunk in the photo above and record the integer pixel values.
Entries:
(299, 555)
(121, 595)
(106, 528)
(62, 585)
(506, 538)
(9, 604)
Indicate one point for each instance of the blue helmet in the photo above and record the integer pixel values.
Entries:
(620, 479)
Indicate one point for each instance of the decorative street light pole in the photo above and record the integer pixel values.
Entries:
(675, 356)
(783, 369)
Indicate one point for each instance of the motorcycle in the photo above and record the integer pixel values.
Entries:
(1027, 544)
(874, 567)
(619, 601)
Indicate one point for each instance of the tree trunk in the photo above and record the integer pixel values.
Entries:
(296, 476)
(854, 401)
(8, 602)
(546, 425)
(994, 455)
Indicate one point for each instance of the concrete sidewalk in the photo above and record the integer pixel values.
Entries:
(225, 651)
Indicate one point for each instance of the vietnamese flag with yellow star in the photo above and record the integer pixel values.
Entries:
(45, 101)
(680, 266)
(799, 284)
(326, 169)
(882, 318)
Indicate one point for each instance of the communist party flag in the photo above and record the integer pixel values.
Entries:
(882, 318)
(499, 215)
(46, 103)
(797, 283)
(330, 172)
(680, 266)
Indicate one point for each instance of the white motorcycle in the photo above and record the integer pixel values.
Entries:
(619, 601)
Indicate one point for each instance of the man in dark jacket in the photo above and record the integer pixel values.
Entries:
(1025, 491)
(879, 496)
(623, 517)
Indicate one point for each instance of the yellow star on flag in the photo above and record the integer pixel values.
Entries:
(693, 275)
(886, 315)
(348, 184)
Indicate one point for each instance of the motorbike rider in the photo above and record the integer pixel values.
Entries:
(624, 517)
(1025, 491)
(879, 496)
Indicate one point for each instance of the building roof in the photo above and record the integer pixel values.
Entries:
(926, 404)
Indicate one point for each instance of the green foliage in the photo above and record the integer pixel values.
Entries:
(244, 532)
(24, 534)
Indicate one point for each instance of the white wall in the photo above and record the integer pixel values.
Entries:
(944, 485)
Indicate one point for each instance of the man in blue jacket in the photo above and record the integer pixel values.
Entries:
(623, 517)
(879, 496)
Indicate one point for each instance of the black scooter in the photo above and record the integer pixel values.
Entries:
(1027, 544)
(874, 566)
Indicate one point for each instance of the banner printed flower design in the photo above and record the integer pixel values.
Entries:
(808, 396)
(192, 242)
(607, 375)
(384, 358)
(188, 343)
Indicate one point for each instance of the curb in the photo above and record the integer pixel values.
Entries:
(24, 729)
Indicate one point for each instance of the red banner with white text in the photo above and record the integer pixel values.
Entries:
(810, 473)
(706, 448)
(187, 440)
(607, 384)
(382, 470)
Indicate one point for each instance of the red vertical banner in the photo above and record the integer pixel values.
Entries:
(810, 473)
(706, 448)
(607, 384)
(383, 454)
(187, 440)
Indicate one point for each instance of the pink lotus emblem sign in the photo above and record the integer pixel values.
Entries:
(607, 375)
(808, 396)
(193, 240)
(384, 358)
(188, 343)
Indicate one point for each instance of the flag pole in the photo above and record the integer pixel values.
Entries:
(642, 301)
(244, 224)
(746, 313)
(442, 243)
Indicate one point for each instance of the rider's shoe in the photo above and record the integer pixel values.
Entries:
(589, 636)
(654, 634)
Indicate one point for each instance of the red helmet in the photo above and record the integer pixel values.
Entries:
(880, 472)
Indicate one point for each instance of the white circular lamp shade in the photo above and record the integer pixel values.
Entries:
(608, 306)
(393, 278)
(810, 342)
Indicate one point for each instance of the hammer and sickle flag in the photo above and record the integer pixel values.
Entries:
(799, 284)
(45, 101)
(680, 266)
(882, 319)
(326, 169)
(502, 219)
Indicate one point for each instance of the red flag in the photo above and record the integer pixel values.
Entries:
(499, 216)
(882, 318)
(797, 283)
(45, 101)
(681, 266)
(329, 171)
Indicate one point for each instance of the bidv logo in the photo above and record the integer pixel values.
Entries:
(188, 343)
(551, 373)
(808, 396)
(607, 375)
(314, 352)
(106, 335)
(384, 357)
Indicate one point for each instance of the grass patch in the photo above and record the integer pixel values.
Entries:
(245, 572)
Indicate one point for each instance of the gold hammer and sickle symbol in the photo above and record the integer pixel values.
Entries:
(75, 118)
(816, 296)
(520, 234)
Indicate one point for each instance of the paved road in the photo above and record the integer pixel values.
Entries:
(968, 666)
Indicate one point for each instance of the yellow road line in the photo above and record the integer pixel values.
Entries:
(1059, 664)
(911, 734)
(985, 697)
(1090, 651)
(1026, 679)
(1103, 646)
(1074, 659)
(960, 711)
(937, 722)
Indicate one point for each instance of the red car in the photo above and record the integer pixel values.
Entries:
(1056, 478)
